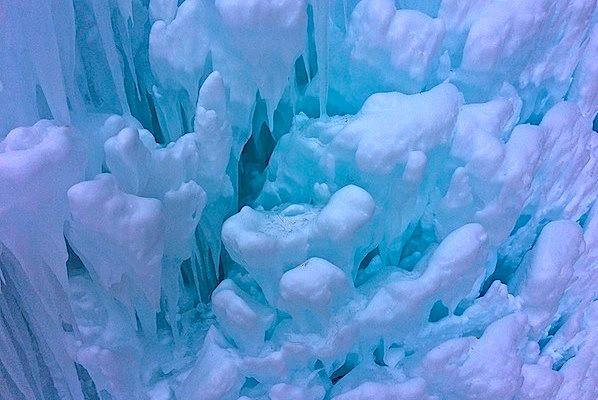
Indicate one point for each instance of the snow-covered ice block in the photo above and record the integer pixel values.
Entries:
(405, 40)
(454, 271)
(539, 382)
(311, 291)
(269, 243)
(390, 124)
(241, 317)
(37, 166)
(410, 390)
(545, 272)
(283, 391)
(216, 376)
(133, 229)
(470, 368)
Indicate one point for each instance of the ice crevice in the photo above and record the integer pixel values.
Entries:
(298, 199)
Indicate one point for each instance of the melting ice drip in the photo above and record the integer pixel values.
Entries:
(298, 199)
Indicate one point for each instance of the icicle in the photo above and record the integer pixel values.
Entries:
(43, 320)
(102, 15)
(126, 11)
(17, 84)
(293, 95)
(171, 292)
(197, 267)
(346, 14)
(305, 56)
(10, 361)
(270, 108)
(164, 10)
(321, 16)
(126, 45)
(15, 321)
(2, 280)
(45, 56)
(63, 14)
(167, 109)
(182, 210)
(215, 138)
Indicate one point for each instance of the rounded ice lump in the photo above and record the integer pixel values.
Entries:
(298, 199)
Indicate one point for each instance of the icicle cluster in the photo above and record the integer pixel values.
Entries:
(298, 199)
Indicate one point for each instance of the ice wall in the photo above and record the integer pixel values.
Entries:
(298, 199)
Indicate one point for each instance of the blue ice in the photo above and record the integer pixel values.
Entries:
(298, 199)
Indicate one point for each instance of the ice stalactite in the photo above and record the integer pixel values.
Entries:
(37, 166)
(321, 15)
(236, 50)
(298, 199)
(34, 362)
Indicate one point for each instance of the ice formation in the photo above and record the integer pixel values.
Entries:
(298, 199)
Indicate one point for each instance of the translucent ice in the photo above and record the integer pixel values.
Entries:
(298, 199)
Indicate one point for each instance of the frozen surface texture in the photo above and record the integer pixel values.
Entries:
(298, 199)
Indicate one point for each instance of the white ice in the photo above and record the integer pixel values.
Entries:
(299, 199)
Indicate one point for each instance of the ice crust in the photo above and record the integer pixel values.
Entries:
(298, 199)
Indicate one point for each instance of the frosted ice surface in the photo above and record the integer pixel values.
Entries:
(299, 199)
(131, 228)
